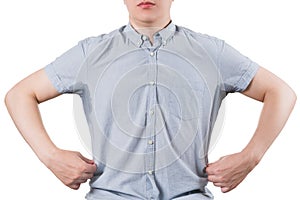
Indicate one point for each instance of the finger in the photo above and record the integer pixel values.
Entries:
(80, 181)
(213, 179)
(219, 184)
(87, 175)
(75, 186)
(210, 170)
(91, 168)
(225, 189)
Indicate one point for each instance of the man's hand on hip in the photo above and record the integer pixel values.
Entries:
(71, 168)
(229, 171)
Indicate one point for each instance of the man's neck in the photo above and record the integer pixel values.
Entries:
(149, 29)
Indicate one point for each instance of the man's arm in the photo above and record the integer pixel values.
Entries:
(279, 100)
(22, 103)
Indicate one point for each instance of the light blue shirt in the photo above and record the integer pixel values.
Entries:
(151, 107)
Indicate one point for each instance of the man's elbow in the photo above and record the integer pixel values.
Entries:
(293, 97)
(288, 95)
(15, 95)
(10, 97)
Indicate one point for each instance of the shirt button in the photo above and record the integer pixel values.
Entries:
(164, 43)
(150, 172)
(151, 112)
(144, 37)
(152, 53)
(152, 83)
(150, 142)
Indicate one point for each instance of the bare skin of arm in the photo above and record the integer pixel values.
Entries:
(22, 103)
(279, 99)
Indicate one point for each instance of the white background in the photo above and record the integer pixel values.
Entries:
(33, 33)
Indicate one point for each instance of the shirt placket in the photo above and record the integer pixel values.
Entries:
(152, 190)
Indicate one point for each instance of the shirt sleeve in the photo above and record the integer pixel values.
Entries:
(236, 70)
(64, 70)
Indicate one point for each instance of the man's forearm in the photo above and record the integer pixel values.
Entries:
(229, 171)
(279, 99)
(278, 104)
(70, 167)
(22, 103)
(23, 108)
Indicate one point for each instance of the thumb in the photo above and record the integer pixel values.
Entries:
(212, 163)
(86, 160)
(209, 169)
(216, 162)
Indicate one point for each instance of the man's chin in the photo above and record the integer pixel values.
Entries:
(147, 19)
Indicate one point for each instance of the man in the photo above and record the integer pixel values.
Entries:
(151, 92)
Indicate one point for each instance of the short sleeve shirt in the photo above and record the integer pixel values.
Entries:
(151, 108)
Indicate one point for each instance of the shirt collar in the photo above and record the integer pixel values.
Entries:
(137, 38)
